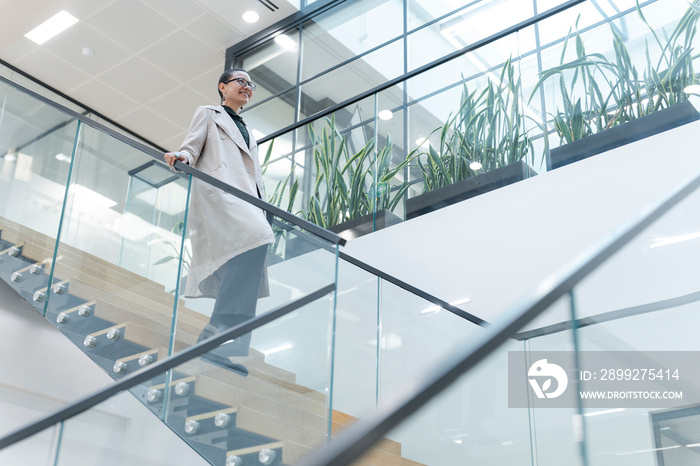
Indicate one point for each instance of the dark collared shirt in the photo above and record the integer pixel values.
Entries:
(239, 123)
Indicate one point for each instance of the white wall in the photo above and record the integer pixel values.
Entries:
(497, 248)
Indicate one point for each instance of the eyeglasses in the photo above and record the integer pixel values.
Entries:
(243, 83)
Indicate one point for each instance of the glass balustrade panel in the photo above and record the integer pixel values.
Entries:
(36, 148)
(333, 166)
(639, 313)
(555, 432)
(121, 430)
(264, 397)
(40, 448)
(117, 262)
(239, 262)
(415, 335)
(355, 374)
(485, 417)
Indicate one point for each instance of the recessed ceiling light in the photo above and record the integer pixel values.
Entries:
(250, 17)
(386, 115)
(285, 42)
(51, 27)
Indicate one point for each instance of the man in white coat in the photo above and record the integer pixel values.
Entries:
(229, 236)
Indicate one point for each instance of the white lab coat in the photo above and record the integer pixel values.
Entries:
(221, 225)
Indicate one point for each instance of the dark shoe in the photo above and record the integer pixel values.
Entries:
(225, 363)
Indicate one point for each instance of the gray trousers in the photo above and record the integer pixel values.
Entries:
(237, 299)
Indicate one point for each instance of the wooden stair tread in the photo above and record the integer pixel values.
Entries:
(231, 389)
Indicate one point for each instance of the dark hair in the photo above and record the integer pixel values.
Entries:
(227, 75)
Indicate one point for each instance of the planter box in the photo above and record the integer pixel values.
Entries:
(365, 224)
(349, 230)
(465, 189)
(629, 132)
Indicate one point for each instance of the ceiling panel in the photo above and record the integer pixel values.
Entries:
(152, 125)
(140, 80)
(105, 99)
(69, 46)
(215, 32)
(49, 68)
(177, 11)
(178, 105)
(183, 56)
(132, 24)
(163, 54)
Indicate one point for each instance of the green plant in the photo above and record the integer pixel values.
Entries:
(278, 196)
(485, 133)
(602, 93)
(345, 187)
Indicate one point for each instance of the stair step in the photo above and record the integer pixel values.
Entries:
(232, 389)
(117, 308)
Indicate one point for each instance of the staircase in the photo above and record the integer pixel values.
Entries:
(123, 321)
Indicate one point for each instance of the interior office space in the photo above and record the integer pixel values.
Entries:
(406, 82)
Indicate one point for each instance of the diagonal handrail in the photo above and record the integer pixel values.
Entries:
(158, 368)
(315, 230)
(291, 218)
(360, 437)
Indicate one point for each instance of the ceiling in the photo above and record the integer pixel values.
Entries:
(153, 61)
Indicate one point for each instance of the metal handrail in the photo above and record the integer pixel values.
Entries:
(300, 222)
(158, 368)
(360, 437)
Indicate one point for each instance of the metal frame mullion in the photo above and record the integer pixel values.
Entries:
(477, 45)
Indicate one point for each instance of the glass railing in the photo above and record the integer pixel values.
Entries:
(490, 107)
(110, 267)
(598, 365)
(271, 416)
(99, 236)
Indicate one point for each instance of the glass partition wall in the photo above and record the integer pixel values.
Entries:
(378, 111)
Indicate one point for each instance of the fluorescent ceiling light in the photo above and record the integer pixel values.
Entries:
(51, 27)
(285, 42)
(251, 17)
